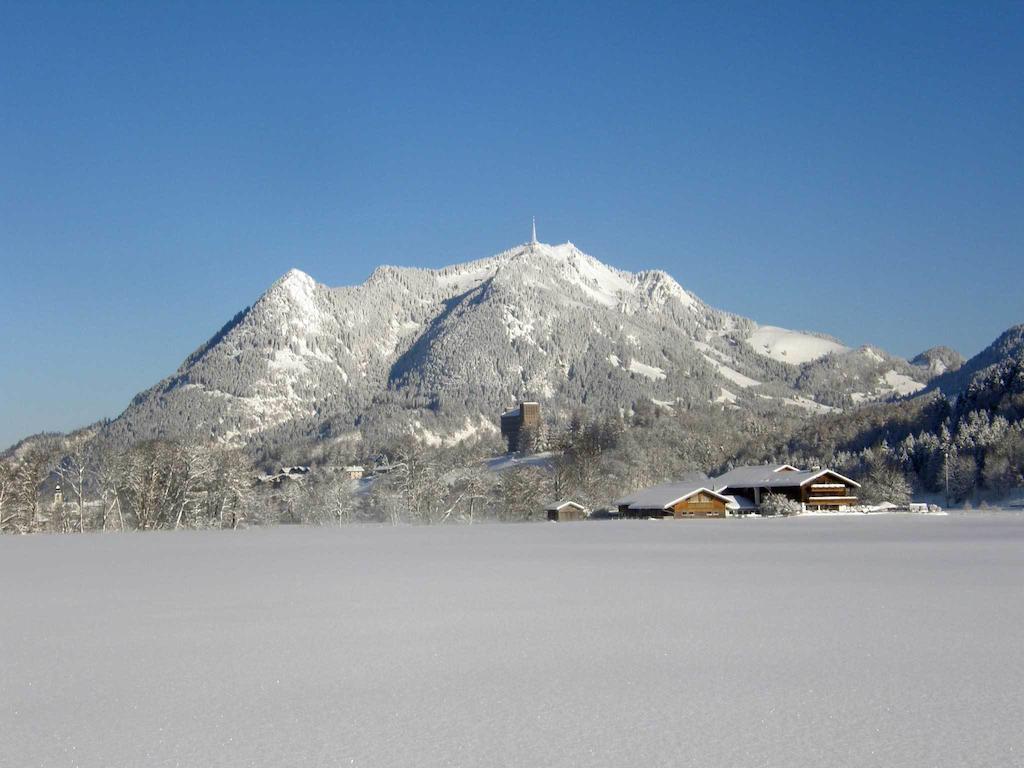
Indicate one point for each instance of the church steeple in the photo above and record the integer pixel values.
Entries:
(533, 237)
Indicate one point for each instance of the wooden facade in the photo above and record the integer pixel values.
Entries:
(830, 491)
(701, 504)
(818, 490)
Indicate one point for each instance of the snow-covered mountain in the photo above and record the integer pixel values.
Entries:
(1008, 347)
(442, 351)
(938, 360)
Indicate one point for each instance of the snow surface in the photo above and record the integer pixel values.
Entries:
(605, 284)
(511, 461)
(641, 369)
(791, 346)
(726, 397)
(650, 371)
(295, 302)
(853, 641)
(807, 404)
(735, 377)
(435, 439)
(901, 384)
(870, 354)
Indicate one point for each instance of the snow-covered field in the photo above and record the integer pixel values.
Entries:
(849, 641)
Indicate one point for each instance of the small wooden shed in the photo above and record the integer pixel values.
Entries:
(565, 511)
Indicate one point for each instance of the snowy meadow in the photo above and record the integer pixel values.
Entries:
(849, 641)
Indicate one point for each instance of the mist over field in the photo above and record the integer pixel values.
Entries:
(852, 641)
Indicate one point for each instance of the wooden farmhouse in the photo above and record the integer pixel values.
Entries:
(565, 511)
(741, 491)
(823, 489)
(686, 499)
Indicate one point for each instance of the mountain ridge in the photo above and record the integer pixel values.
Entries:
(450, 347)
(1008, 345)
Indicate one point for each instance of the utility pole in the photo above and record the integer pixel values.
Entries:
(945, 465)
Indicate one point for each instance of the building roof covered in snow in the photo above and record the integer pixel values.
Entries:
(559, 505)
(773, 476)
(667, 494)
(741, 504)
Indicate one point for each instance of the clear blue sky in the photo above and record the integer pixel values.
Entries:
(162, 164)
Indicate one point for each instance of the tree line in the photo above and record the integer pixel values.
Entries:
(169, 484)
(964, 448)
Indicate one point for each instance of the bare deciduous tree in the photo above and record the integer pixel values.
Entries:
(73, 471)
(7, 495)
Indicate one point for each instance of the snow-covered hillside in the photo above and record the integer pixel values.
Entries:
(792, 346)
(938, 360)
(435, 350)
(1009, 345)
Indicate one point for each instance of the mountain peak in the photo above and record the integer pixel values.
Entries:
(542, 249)
(1009, 345)
(938, 360)
(292, 296)
(450, 346)
(293, 276)
(294, 282)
